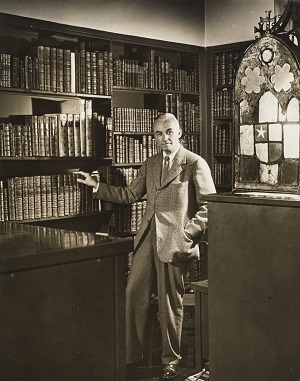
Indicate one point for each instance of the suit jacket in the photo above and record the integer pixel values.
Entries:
(177, 204)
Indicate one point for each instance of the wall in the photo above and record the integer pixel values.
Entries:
(169, 20)
(233, 20)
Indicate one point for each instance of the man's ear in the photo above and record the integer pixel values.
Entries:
(179, 132)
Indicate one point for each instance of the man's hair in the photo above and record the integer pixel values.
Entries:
(166, 117)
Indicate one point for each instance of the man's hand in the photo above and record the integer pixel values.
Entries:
(86, 179)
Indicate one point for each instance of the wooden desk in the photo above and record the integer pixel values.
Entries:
(62, 304)
(201, 322)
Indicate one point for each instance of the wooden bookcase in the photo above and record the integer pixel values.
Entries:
(53, 119)
(150, 77)
(221, 64)
(76, 98)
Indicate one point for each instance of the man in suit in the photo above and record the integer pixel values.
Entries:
(174, 182)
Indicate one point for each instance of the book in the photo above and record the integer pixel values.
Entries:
(49, 196)
(43, 191)
(54, 198)
(41, 136)
(77, 134)
(60, 196)
(71, 137)
(37, 196)
(32, 121)
(53, 135)
(63, 150)
(46, 135)
(31, 205)
(89, 127)
(59, 70)
(82, 128)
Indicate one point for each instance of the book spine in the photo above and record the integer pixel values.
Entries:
(109, 137)
(31, 206)
(60, 196)
(71, 137)
(54, 192)
(77, 142)
(66, 192)
(37, 196)
(53, 139)
(89, 127)
(43, 191)
(63, 150)
(60, 70)
(41, 136)
(46, 135)
(25, 198)
(53, 69)
(82, 128)
(47, 68)
(11, 199)
(48, 196)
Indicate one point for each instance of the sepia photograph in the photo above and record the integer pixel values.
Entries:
(149, 190)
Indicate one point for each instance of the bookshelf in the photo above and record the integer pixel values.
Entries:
(150, 77)
(77, 98)
(222, 61)
(55, 114)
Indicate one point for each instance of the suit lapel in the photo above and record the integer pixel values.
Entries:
(157, 170)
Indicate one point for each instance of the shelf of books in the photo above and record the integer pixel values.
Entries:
(223, 61)
(55, 118)
(149, 78)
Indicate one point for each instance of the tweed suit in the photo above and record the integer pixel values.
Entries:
(162, 248)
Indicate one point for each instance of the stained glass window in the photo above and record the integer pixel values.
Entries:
(268, 125)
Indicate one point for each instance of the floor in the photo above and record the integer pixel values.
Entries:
(187, 371)
(153, 374)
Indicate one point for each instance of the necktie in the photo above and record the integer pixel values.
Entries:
(165, 169)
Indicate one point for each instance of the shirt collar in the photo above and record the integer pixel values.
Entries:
(172, 155)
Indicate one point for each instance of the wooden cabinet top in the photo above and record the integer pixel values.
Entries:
(26, 246)
(257, 198)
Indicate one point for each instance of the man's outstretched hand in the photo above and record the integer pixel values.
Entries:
(86, 178)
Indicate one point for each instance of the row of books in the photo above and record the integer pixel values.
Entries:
(223, 102)
(155, 72)
(35, 197)
(194, 272)
(58, 135)
(223, 66)
(124, 175)
(118, 176)
(222, 138)
(128, 218)
(191, 142)
(134, 150)
(128, 119)
(81, 70)
(54, 69)
(187, 113)
(130, 149)
(222, 174)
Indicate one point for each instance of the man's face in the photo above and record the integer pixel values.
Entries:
(167, 136)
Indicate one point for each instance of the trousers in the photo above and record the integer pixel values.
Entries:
(147, 274)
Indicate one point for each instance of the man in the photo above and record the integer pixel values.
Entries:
(175, 217)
